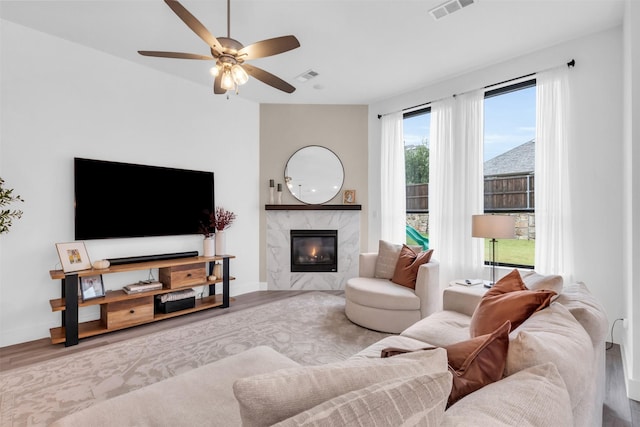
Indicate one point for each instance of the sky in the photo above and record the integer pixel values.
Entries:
(510, 120)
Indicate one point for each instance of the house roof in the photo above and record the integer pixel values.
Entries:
(520, 159)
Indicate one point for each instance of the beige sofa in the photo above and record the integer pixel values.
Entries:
(554, 376)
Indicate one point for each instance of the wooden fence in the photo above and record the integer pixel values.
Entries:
(501, 193)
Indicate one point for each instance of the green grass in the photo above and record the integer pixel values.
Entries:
(512, 251)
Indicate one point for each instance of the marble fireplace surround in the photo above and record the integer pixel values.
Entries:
(281, 219)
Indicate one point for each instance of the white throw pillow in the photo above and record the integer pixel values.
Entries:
(388, 254)
(409, 401)
(535, 281)
(273, 397)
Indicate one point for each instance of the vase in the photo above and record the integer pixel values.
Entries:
(209, 246)
(221, 243)
(271, 200)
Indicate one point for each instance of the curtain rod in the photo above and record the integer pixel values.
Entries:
(570, 64)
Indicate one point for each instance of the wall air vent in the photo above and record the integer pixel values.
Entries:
(449, 7)
(307, 75)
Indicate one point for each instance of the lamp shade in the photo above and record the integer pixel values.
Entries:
(493, 226)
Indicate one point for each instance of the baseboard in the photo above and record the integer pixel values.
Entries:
(632, 385)
(244, 288)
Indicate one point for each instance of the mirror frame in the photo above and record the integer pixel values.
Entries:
(289, 185)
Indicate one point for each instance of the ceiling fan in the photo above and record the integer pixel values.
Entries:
(230, 55)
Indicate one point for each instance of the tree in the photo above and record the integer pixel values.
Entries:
(416, 163)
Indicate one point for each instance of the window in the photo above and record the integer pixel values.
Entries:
(509, 166)
(416, 125)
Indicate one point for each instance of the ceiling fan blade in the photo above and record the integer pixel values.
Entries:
(269, 47)
(178, 55)
(217, 88)
(268, 78)
(195, 25)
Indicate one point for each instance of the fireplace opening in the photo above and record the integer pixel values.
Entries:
(314, 251)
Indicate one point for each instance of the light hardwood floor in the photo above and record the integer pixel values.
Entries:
(618, 410)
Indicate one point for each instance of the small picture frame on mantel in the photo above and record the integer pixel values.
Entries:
(73, 256)
(349, 197)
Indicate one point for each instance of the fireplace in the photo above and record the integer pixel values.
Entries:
(314, 250)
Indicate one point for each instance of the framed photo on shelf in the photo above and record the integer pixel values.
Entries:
(73, 256)
(91, 287)
(349, 197)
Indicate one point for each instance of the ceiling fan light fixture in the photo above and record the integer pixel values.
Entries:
(239, 75)
(214, 71)
(227, 82)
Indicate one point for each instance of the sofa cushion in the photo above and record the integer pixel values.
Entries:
(533, 397)
(553, 335)
(508, 299)
(535, 281)
(440, 329)
(477, 362)
(270, 398)
(388, 254)
(409, 262)
(381, 293)
(586, 310)
(179, 400)
(407, 401)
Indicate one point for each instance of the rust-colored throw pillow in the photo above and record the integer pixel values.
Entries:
(509, 299)
(407, 266)
(477, 362)
(473, 363)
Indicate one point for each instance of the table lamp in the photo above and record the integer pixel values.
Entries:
(493, 227)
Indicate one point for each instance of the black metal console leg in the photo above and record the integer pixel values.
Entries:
(212, 288)
(225, 282)
(70, 320)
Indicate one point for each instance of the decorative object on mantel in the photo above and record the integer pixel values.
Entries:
(271, 189)
(349, 197)
(73, 256)
(7, 215)
(279, 193)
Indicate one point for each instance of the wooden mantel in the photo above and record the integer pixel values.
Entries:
(313, 207)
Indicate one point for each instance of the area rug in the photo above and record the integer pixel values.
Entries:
(309, 328)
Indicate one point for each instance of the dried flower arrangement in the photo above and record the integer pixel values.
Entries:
(219, 220)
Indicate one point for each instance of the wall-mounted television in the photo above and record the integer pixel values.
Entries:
(116, 200)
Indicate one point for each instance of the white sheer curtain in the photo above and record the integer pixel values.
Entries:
(392, 180)
(554, 234)
(456, 184)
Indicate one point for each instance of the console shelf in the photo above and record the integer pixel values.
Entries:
(120, 310)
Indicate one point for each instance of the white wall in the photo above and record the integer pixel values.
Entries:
(597, 156)
(631, 275)
(60, 100)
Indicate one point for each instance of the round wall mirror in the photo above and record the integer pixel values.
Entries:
(314, 175)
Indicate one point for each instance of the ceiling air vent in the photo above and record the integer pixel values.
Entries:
(449, 7)
(307, 75)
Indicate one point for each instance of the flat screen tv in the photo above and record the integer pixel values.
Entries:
(116, 200)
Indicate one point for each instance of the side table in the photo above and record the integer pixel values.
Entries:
(463, 299)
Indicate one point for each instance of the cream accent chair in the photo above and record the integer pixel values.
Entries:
(382, 305)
